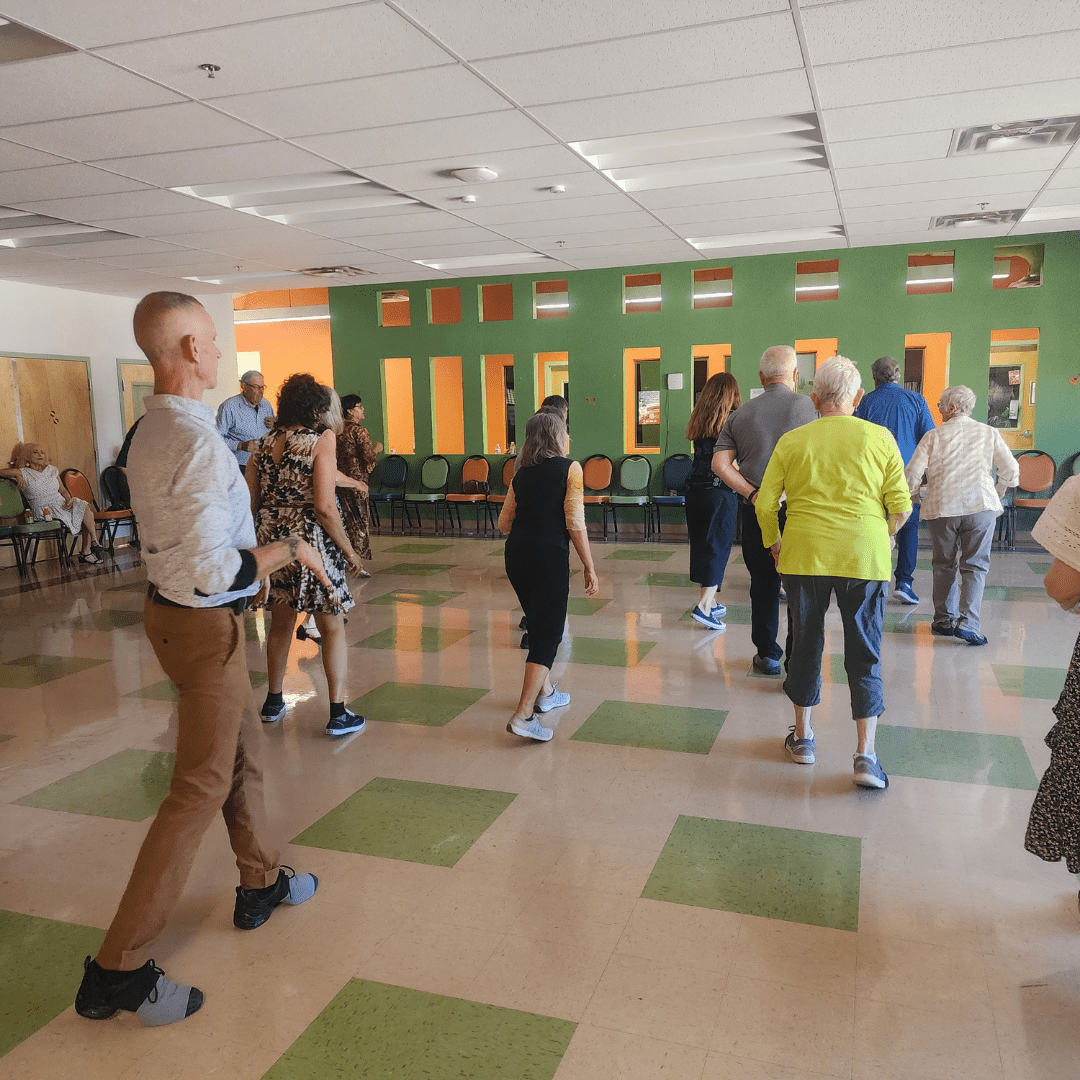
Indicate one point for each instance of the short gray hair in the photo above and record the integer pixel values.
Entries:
(885, 370)
(838, 378)
(961, 398)
(246, 377)
(777, 361)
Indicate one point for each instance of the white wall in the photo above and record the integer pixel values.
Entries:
(43, 321)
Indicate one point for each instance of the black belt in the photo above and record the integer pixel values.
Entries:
(238, 606)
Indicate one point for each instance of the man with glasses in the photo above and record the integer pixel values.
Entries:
(244, 419)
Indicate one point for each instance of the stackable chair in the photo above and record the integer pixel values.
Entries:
(393, 475)
(25, 538)
(108, 520)
(1037, 473)
(497, 499)
(434, 480)
(115, 485)
(596, 476)
(474, 491)
(635, 474)
(675, 478)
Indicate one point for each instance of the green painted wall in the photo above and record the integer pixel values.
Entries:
(870, 319)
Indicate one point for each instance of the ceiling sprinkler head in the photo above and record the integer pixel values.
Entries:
(210, 69)
(468, 198)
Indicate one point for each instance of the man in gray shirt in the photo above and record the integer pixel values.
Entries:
(749, 437)
(198, 541)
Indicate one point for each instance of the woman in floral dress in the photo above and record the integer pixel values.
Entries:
(292, 476)
(356, 457)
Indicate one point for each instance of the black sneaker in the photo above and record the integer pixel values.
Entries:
(943, 629)
(524, 641)
(346, 723)
(255, 906)
(146, 992)
(524, 624)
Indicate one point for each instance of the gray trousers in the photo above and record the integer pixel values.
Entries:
(961, 543)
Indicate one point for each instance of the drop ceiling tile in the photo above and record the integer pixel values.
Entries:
(314, 47)
(219, 164)
(564, 228)
(1066, 177)
(377, 101)
(987, 188)
(915, 235)
(108, 250)
(763, 187)
(105, 22)
(842, 32)
(763, 223)
(61, 181)
(644, 235)
(186, 126)
(1033, 227)
(536, 189)
(471, 28)
(169, 225)
(890, 149)
(1059, 197)
(631, 255)
(933, 207)
(548, 266)
(71, 84)
(433, 252)
(653, 62)
(433, 238)
(13, 156)
(724, 210)
(203, 264)
(950, 71)
(94, 208)
(587, 206)
(781, 94)
(457, 136)
(423, 220)
(954, 110)
(956, 168)
(918, 223)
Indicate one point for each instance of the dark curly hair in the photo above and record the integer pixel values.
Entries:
(302, 400)
(349, 402)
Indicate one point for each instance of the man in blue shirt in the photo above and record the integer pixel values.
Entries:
(244, 419)
(907, 416)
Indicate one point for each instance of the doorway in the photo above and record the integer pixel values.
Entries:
(1010, 400)
(926, 363)
(136, 383)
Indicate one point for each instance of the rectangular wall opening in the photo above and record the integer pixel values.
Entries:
(1011, 398)
(1018, 266)
(926, 367)
(447, 405)
(641, 292)
(929, 272)
(642, 381)
(497, 303)
(551, 299)
(400, 434)
(817, 280)
(393, 307)
(713, 287)
(709, 360)
(444, 305)
(810, 354)
(500, 427)
(552, 375)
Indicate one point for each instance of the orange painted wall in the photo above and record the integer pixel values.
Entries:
(278, 298)
(497, 303)
(494, 401)
(935, 366)
(630, 357)
(718, 357)
(400, 434)
(448, 405)
(826, 348)
(288, 347)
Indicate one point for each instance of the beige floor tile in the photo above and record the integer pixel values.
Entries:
(678, 934)
(482, 901)
(937, 918)
(603, 867)
(726, 1067)
(603, 1054)
(816, 958)
(786, 1025)
(509, 848)
(1036, 1024)
(572, 916)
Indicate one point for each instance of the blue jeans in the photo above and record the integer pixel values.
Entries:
(862, 608)
(907, 547)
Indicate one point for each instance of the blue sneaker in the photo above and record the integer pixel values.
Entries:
(555, 700)
(972, 637)
(345, 724)
(764, 665)
(868, 773)
(530, 729)
(905, 594)
(801, 750)
(718, 611)
(710, 620)
(943, 629)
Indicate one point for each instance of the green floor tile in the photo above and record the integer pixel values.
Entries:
(583, 605)
(1015, 680)
(671, 581)
(738, 560)
(806, 877)
(832, 669)
(965, 757)
(416, 703)
(36, 670)
(1015, 592)
(656, 727)
(418, 569)
(255, 629)
(416, 549)
(608, 652)
(1041, 567)
(372, 1029)
(422, 597)
(414, 638)
(410, 821)
(737, 615)
(129, 786)
(640, 555)
(904, 622)
(40, 964)
(106, 619)
(165, 691)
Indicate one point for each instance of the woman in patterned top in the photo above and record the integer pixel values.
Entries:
(356, 458)
(292, 476)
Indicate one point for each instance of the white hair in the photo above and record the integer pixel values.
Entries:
(836, 380)
(777, 362)
(246, 377)
(961, 398)
(332, 417)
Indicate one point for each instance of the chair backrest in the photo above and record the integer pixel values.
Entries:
(116, 488)
(393, 472)
(11, 501)
(508, 469)
(78, 486)
(476, 468)
(1037, 471)
(676, 473)
(635, 472)
(596, 472)
(434, 473)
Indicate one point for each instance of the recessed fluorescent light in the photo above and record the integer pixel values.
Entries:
(482, 260)
(790, 236)
(552, 307)
(258, 275)
(1051, 213)
(710, 295)
(268, 185)
(817, 288)
(643, 300)
(998, 277)
(932, 281)
(63, 228)
(683, 173)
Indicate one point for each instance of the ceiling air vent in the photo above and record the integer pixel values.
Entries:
(334, 271)
(980, 217)
(1020, 135)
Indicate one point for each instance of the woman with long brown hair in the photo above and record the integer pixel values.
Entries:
(711, 506)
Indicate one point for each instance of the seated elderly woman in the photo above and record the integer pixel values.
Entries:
(43, 489)
(838, 472)
(961, 507)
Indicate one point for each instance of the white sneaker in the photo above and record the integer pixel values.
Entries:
(555, 700)
(530, 729)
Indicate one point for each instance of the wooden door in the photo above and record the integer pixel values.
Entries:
(136, 381)
(9, 425)
(54, 401)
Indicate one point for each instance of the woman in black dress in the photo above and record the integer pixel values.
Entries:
(544, 511)
(712, 508)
